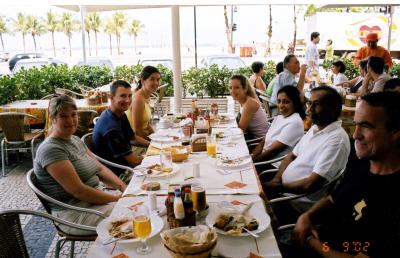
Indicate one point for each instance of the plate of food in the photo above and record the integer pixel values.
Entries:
(163, 138)
(155, 170)
(112, 228)
(232, 222)
(233, 162)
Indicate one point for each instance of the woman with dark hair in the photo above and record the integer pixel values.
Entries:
(338, 68)
(286, 129)
(356, 83)
(253, 119)
(139, 114)
(256, 79)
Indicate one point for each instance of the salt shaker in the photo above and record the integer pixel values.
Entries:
(196, 169)
(152, 200)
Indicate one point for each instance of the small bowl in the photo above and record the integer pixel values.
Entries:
(202, 214)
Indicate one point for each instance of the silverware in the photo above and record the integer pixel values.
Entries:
(251, 233)
(111, 240)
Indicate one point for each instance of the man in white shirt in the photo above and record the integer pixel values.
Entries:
(376, 74)
(288, 77)
(320, 154)
(312, 55)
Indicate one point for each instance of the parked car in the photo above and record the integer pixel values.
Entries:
(232, 62)
(36, 62)
(154, 62)
(97, 61)
(4, 56)
(13, 60)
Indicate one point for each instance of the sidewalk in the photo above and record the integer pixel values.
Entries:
(40, 235)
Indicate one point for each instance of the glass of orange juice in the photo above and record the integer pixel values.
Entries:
(142, 228)
(211, 146)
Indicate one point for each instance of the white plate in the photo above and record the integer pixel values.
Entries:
(238, 162)
(259, 214)
(140, 171)
(157, 224)
(162, 138)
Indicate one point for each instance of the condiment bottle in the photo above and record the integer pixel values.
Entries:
(179, 210)
(187, 203)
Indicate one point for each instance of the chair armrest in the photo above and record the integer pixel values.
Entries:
(273, 170)
(52, 218)
(112, 163)
(286, 226)
(269, 161)
(287, 198)
(255, 140)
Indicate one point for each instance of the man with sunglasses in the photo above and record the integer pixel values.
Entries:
(320, 154)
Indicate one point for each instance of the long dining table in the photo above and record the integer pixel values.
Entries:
(239, 185)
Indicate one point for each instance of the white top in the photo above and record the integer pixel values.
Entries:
(284, 78)
(312, 55)
(324, 152)
(339, 78)
(287, 130)
(379, 83)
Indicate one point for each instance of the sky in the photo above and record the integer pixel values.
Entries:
(252, 22)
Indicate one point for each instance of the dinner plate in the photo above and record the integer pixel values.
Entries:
(141, 171)
(163, 138)
(262, 218)
(157, 224)
(227, 162)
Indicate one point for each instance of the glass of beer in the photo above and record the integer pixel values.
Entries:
(142, 228)
(198, 197)
(211, 146)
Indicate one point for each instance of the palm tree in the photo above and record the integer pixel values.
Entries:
(35, 27)
(228, 31)
(95, 24)
(68, 25)
(3, 29)
(52, 24)
(88, 29)
(118, 22)
(134, 29)
(108, 29)
(20, 26)
(268, 49)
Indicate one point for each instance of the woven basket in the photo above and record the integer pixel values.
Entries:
(189, 220)
(199, 144)
(204, 254)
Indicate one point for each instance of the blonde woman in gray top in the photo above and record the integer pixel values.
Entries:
(68, 171)
(253, 119)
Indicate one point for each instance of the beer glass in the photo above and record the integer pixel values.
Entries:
(142, 228)
(198, 197)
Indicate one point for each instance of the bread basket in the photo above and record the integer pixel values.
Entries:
(179, 153)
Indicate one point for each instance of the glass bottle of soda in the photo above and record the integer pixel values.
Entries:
(187, 202)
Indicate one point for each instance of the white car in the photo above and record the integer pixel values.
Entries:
(154, 62)
(36, 62)
(97, 61)
(231, 62)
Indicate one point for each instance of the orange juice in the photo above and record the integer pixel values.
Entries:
(211, 149)
(141, 226)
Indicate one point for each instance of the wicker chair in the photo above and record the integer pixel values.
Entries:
(12, 243)
(64, 237)
(70, 93)
(16, 133)
(85, 119)
(87, 139)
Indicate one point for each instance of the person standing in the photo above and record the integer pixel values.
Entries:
(329, 50)
(372, 49)
(312, 55)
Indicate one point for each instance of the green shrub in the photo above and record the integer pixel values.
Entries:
(395, 71)
(269, 71)
(92, 76)
(167, 78)
(128, 73)
(8, 88)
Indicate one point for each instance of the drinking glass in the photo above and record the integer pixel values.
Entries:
(142, 228)
(198, 197)
(166, 162)
(186, 135)
(211, 146)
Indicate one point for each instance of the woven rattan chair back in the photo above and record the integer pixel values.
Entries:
(85, 119)
(12, 243)
(42, 201)
(13, 125)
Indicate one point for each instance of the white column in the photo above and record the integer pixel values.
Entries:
(83, 13)
(176, 56)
